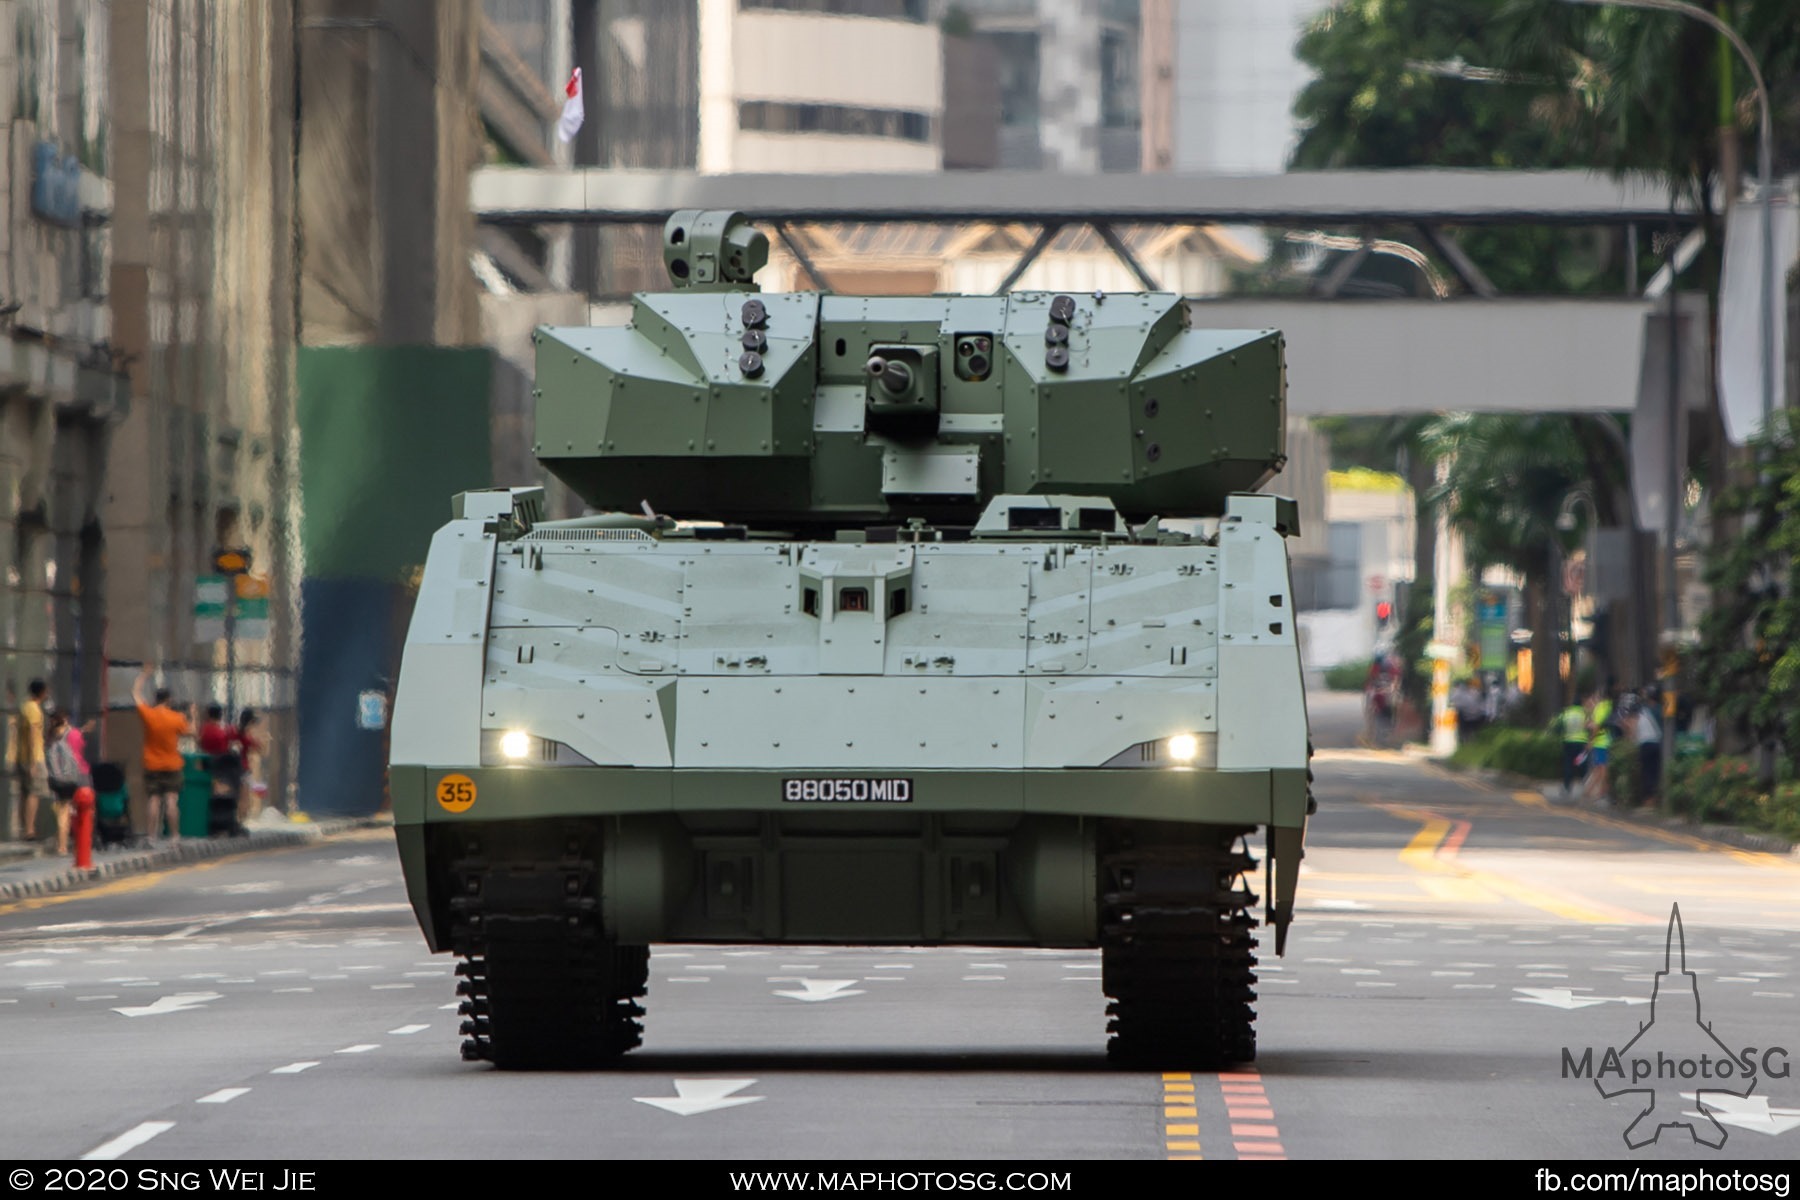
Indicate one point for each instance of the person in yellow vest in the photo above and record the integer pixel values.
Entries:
(1572, 724)
(1599, 746)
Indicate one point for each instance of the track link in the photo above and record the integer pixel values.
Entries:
(542, 986)
(1178, 951)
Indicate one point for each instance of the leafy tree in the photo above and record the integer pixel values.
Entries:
(1415, 83)
(1504, 483)
(1746, 667)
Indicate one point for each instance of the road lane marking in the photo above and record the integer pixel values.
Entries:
(816, 990)
(1669, 836)
(405, 1029)
(163, 1005)
(130, 1140)
(1254, 1133)
(222, 1096)
(360, 1048)
(695, 1096)
(1422, 853)
(293, 1068)
(1181, 1138)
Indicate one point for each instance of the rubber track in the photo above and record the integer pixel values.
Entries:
(1177, 949)
(543, 990)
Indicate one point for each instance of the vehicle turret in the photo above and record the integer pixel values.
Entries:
(804, 410)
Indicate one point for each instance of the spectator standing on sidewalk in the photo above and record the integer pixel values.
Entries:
(250, 747)
(67, 773)
(215, 734)
(1572, 724)
(164, 727)
(31, 773)
(1649, 742)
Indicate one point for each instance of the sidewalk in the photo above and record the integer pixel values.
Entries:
(27, 870)
(1553, 795)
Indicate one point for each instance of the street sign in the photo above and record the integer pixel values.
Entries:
(251, 621)
(1494, 639)
(1377, 584)
(371, 710)
(252, 587)
(209, 608)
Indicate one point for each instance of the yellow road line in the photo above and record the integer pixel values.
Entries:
(138, 883)
(1668, 836)
(1421, 854)
(1180, 1140)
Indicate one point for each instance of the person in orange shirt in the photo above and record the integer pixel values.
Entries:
(164, 727)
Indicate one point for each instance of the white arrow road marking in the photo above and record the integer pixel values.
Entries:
(131, 1139)
(822, 989)
(701, 1095)
(169, 1004)
(1566, 998)
(1745, 1112)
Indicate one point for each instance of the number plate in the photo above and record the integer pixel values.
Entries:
(846, 791)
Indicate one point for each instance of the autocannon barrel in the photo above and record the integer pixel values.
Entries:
(894, 375)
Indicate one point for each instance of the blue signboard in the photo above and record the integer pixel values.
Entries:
(55, 186)
(371, 710)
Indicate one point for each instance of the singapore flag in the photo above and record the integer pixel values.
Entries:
(570, 121)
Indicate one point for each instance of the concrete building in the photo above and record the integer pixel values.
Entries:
(201, 298)
(145, 421)
(1070, 91)
(1369, 535)
(1219, 84)
(811, 85)
(61, 393)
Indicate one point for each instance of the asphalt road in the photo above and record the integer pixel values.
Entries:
(1452, 941)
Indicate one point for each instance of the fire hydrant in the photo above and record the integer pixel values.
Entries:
(84, 829)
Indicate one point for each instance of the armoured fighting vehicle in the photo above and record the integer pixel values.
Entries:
(925, 661)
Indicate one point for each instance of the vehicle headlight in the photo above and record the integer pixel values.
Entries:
(1178, 750)
(518, 748)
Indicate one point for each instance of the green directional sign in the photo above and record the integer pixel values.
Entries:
(251, 622)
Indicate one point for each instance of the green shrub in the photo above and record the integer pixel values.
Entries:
(1720, 789)
(1529, 752)
(1347, 677)
(1780, 813)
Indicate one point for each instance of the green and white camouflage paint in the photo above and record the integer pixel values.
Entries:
(946, 674)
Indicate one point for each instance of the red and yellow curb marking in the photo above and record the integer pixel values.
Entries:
(1254, 1134)
(1181, 1126)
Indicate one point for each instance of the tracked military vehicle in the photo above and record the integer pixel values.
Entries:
(881, 633)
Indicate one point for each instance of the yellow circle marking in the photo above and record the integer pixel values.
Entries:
(456, 793)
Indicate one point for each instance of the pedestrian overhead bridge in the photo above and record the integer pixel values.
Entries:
(1474, 350)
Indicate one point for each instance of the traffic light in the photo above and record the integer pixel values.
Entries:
(1383, 610)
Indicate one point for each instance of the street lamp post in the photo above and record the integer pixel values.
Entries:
(1765, 179)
